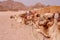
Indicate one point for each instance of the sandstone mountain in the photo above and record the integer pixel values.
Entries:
(11, 6)
(37, 5)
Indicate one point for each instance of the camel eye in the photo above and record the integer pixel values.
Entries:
(49, 18)
(37, 15)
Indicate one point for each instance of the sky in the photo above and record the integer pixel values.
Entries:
(46, 2)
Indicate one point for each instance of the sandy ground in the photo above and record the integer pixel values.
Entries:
(11, 30)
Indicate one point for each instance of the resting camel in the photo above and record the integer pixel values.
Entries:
(46, 20)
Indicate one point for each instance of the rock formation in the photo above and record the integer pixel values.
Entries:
(37, 5)
(10, 5)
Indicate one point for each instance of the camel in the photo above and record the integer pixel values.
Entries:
(45, 21)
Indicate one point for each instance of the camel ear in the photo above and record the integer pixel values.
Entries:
(56, 15)
(32, 12)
